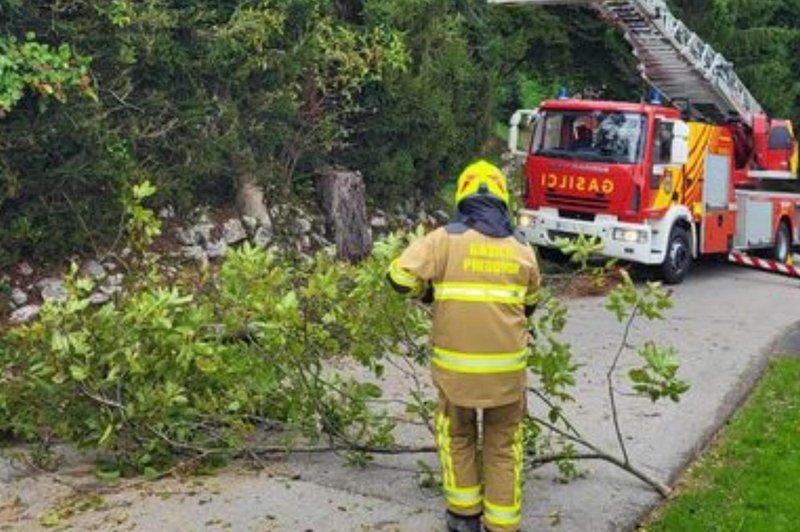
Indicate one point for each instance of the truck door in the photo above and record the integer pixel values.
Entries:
(719, 215)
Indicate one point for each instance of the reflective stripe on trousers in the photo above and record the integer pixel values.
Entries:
(480, 292)
(509, 515)
(467, 497)
(479, 362)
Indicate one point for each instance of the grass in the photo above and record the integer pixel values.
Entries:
(750, 478)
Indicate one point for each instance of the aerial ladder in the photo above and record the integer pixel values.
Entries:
(686, 70)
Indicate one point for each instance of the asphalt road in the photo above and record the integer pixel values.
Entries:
(726, 323)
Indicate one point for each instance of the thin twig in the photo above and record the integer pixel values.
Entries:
(610, 381)
(660, 487)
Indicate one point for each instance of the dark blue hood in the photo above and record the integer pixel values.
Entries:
(485, 214)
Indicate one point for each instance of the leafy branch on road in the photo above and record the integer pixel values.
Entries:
(260, 357)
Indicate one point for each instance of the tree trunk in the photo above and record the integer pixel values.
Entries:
(342, 194)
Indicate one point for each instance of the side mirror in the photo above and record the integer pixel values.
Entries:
(680, 144)
(522, 118)
(680, 151)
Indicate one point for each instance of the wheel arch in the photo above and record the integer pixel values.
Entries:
(680, 216)
(787, 220)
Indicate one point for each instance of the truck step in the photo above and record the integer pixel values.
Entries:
(743, 259)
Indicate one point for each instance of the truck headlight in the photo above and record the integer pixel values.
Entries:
(631, 236)
(525, 220)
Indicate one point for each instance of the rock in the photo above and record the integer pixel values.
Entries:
(233, 231)
(99, 298)
(263, 237)
(216, 250)
(185, 237)
(126, 253)
(202, 232)
(111, 290)
(53, 289)
(379, 222)
(250, 223)
(115, 280)
(24, 314)
(442, 216)
(19, 297)
(110, 266)
(25, 269)
(201, 215)
(301, 226)
(95, 270)
(166, 213)
(194, 253)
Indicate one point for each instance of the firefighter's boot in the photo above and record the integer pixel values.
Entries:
(463, 523)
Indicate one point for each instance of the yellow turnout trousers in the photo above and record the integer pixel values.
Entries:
(494, 486)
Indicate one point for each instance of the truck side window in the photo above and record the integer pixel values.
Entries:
(662, 143)
(780, 139)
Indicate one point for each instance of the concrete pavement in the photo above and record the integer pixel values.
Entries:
(726, 323)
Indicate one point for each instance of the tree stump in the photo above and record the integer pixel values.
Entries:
(342, 194)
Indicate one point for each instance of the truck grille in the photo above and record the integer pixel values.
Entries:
(596, 204)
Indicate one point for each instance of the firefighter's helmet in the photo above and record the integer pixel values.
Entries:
(482, 178)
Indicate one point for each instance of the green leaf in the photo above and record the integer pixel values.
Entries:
(78, 373)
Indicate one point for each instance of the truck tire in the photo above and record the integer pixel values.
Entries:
(679, 257)
(783, 244)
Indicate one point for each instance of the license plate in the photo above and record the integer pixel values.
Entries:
(567, 226)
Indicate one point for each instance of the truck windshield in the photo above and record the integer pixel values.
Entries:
(600, 136)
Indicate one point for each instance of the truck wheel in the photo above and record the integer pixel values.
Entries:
(783, 244)
(679, 257)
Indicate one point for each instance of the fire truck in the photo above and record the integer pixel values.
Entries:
(662, 185)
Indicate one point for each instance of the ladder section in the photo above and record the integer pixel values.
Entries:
(673, 59)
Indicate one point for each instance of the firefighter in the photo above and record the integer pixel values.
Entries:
(482, 278)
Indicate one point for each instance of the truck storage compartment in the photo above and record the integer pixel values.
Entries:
(754, 221)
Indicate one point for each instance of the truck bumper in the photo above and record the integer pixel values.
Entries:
(626, 241)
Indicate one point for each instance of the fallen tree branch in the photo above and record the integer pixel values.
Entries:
(600, 454)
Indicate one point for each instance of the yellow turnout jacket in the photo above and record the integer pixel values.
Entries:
(481, 285)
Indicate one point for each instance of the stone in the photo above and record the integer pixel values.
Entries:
(115, 280)
(25, 269)
(53, 289)
(250, 223)
(99, 298)
(24, 314)
(442, 216)
(19, 297)
(233, 231)
(95, 270)
(379, 222)
(202, 232)
(110, 290)
(301, 226)
(185, 236)
(166, 213)
(194, 253)
(110, 266)
(216, 250)
(263, 237)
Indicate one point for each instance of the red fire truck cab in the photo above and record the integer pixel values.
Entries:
(654, 188)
